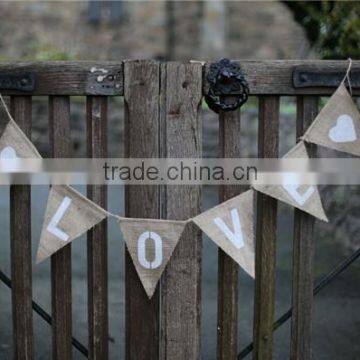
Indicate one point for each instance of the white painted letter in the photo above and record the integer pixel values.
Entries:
(142, 250)
(52, 227)
(235, 237)
(291, 185)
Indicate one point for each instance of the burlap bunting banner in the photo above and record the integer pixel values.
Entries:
(68, 215)
(231, 226)
(13, 142)
(338, 124)
(303, 197)
(151, 243)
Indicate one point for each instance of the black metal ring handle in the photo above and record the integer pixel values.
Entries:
(226, 80)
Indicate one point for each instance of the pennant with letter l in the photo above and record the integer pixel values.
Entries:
(302, 196)
(231, 226)
(13, 142)
(150, 243)
(337, 126)
(68, 215)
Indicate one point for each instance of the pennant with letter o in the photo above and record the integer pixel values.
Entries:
(337, 126)
(302, 196)
(150, 243)
(68, 215)
(231, 226)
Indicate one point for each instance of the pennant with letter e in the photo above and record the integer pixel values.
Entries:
(150, 243)
(302, 196)
(68, 215)
(13, 142)
(337, 126)
(231, 226)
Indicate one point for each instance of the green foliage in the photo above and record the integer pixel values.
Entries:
(42, 52)
(50, 53)
(332, 27)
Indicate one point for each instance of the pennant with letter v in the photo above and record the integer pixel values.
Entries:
(68, 215)
(337, 126)
(231, 226)
(150, 243)
(304, 197)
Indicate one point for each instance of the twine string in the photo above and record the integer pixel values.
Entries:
(347, 76)
(5, 107)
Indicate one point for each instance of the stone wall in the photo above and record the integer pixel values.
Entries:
(202, 30)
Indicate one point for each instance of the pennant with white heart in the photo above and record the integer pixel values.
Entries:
(337, 126)
(13, 142)
(150, 243)
(344, 130)
(230, 225)
(304, 197)
(68, 215)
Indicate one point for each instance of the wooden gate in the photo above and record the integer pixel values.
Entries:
(162, 119)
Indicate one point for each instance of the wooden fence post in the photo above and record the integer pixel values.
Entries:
(59, 125)
(96, 110)
(266, 236)
(181, 91)
(230, 146)
(303, 251)
(141, 95)
(21, 270)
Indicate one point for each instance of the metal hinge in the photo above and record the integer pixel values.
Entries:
(309, 76)
(21, 82)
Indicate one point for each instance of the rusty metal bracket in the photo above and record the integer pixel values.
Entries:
(19, 82)
(306, 76)
(103, 81)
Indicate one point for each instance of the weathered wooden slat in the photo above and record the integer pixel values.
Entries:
(230, 146)
(303, 251)
(141, 97)
(21, 271)
(59, 132)
(264, 307)
(273, 77)
(181, 281)
(96, 109)
(69, 77)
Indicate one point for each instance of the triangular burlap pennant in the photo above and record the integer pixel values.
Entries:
(68, 215)
(303, 197)
(338, 124)
(13, 142)
(151, 243)
(231, 226)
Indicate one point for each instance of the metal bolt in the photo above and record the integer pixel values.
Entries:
(24, 81)
(303, 77)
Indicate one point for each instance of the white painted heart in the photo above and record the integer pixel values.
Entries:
(8, 152)
(8, 160)
(344, 130)
(291, 184)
